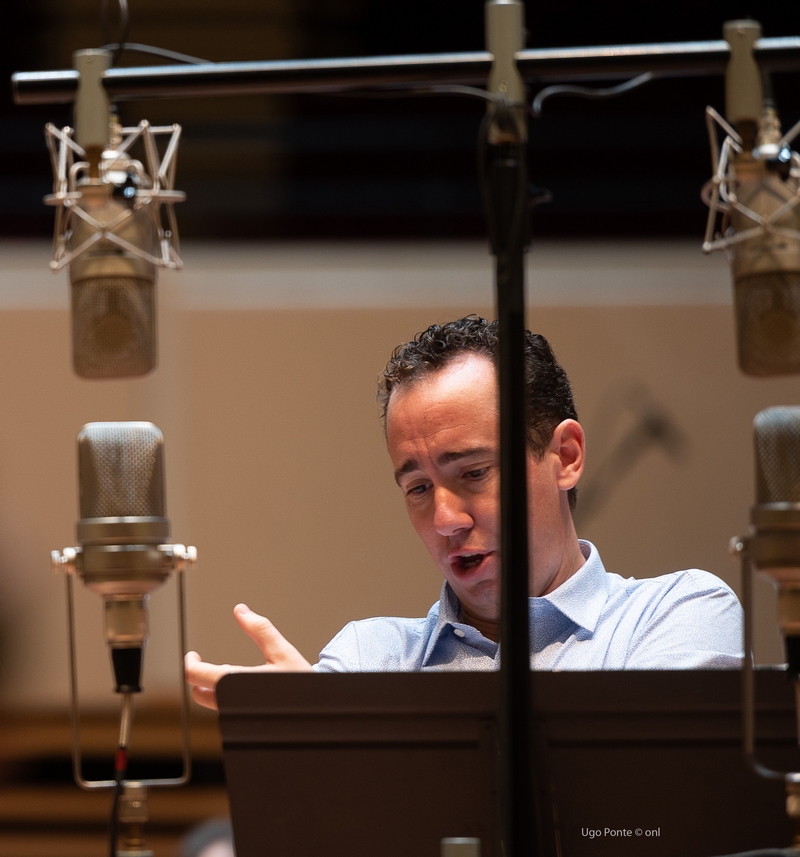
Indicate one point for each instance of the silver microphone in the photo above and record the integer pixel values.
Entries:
(766, 264)
(124, 552)
(775, 518)
(113, 291)
(756, 188)
(114, 227)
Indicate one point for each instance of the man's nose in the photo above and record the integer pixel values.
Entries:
(450, 513)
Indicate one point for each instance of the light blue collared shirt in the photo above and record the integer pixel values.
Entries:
(593, 621)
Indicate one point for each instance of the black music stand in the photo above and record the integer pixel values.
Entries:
(390, 763)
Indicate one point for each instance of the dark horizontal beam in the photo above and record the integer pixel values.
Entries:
(545, 65)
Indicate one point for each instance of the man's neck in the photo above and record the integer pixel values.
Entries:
(572, 561)
(489, 629)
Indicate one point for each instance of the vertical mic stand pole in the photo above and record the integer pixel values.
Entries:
(502, 163)
(506, 172)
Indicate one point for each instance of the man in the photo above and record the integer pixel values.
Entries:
(440, 408)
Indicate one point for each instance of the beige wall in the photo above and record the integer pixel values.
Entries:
(275, 459)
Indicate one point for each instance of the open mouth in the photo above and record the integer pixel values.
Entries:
(469, 561)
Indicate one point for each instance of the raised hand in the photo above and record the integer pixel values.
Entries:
(279, 656)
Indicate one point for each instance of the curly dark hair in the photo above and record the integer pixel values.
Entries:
(549, 392)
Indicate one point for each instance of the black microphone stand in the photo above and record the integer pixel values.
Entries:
(504, 182)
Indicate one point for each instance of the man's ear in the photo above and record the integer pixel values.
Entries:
(569, 444)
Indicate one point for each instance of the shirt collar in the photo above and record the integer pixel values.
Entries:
(446, 613)
(582, 597)
(449, 607)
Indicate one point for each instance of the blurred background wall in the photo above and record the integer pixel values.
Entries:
(319, 233)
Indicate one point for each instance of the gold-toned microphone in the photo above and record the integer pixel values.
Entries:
(124, 551)
(775, 517)
(114, 227)
(756, 190)
(124, 554)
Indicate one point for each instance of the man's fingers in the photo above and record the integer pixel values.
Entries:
(265, 635)
(203, 677)
(280, 656)
(205, 697)
(277, 651)
(202, 674)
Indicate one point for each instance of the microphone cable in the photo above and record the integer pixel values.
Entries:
(120, 770)
(588, 91)
(122, 44)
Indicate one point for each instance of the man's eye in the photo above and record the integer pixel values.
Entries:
(416, 490)
(478, 473)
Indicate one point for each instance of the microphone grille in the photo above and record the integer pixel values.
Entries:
(768, 323)
(113, 326)
(776, 432)
(121, 470)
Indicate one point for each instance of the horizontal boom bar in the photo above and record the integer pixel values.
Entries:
(545, 65)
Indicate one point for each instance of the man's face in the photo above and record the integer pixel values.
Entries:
(442, 434)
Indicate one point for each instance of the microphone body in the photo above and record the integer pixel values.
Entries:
(756, 188)
(766, 270)
(775, 518)
(124, 551)
(112, 286)
(123, 554)
(114, 227)
(113, 290)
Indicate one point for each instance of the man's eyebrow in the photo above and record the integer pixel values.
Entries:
(408, 466)
(446, 458)
(458, 454)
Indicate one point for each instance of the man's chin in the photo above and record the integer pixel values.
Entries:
(480, 600)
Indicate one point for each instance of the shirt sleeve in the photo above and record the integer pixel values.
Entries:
(341, 655)
(697, 623)
(382, 644)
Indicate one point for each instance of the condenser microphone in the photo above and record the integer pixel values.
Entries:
(124, 552)
(757, 189)
(109, 230)
(112, 285)
(765, 261)
(113, 290)
(775, 518)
